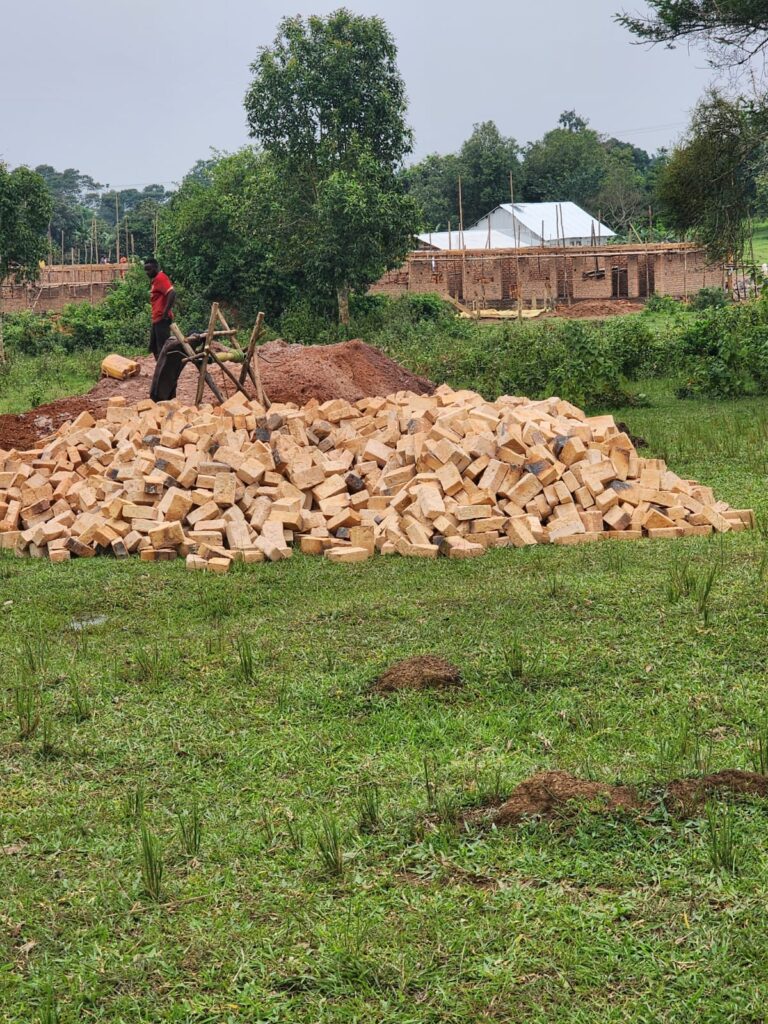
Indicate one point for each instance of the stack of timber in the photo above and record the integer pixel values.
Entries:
(407, 474)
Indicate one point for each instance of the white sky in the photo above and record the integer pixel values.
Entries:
(134, 92)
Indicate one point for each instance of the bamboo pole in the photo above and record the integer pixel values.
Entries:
(117, 228)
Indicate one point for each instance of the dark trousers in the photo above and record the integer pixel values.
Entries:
(160, 333)
(167, 372)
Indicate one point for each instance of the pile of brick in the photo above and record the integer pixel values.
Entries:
(407, 474)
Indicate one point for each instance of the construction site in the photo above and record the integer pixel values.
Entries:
(547, 277)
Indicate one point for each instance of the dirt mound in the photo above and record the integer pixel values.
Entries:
(684, 796)
(23, 430)
(290, 373)
(545, 794)
(420, 673)
(597, 308)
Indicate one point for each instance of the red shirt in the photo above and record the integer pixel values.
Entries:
(158, 294)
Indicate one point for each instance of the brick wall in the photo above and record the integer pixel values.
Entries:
(481, 277)
(59, 285)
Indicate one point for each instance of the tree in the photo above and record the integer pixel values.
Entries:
(328, 104)
(734, 31)
(218, 234)
(74, 196)
(571, 121)
(432, 185)
(622, 196)
(25, 206)
(568, 163)
(486, 161)
(708, 185)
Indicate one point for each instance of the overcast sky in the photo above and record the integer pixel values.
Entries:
(134, 92)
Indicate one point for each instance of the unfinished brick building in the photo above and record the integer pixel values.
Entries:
(496, 279)
(60, 284)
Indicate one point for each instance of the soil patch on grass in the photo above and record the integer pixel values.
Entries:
(424, 672)
(547, 794)
(685, 796)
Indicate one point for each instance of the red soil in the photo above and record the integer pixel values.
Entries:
(290, 373)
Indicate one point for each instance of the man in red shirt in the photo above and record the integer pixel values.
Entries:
(162, 297)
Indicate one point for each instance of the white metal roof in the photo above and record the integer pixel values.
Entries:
(577, 223)
(471, 239)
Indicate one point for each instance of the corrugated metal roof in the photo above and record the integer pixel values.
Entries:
(472, 239)
(577, 223)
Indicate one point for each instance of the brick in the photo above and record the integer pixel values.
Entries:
(347, 554)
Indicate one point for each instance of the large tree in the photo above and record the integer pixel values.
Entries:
(218, 235)
(733, 31)
(25, 206)
(568, 163)
(432, 183)
(486, 161)
(328, 105)
(708, 186)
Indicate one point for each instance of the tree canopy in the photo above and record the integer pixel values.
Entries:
(328, 105)
(217, 236)
(25, 206)
(733, 31)
(709, 185)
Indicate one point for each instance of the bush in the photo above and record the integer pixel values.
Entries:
(636, 348)
(724, 352)
(121, 322)
(663, 304)
(710, 298)
(569, 358)
(32, 334)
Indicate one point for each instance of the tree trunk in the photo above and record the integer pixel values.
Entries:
(343, 297)
(2, 340)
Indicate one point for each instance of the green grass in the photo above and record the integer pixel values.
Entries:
(238, 706)
(760, 243)
(27, 381)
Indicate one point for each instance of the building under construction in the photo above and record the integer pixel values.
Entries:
(547, 276)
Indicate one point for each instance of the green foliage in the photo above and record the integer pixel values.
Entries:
(32, 334)
(121, 322)
(219, 239)
(637, 349)
(708, 186)
(709, 298)
(567, 163)
(725, 351)
(733, 31)
(327, 103)
(25, 207)
(662, 304)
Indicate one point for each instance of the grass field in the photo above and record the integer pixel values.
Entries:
(238, 706)
(760, 243)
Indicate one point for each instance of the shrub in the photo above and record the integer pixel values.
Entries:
(83, 326)
(663, 304)
(31, 334)
(636, 348)
(724, 351)
(710, 298)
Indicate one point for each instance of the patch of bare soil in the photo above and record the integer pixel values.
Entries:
(548, 793)
(596, 308)
(684, 796)
(424, 672)
(289, 373)
(23, 430)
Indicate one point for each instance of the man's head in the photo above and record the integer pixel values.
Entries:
(151, 268)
